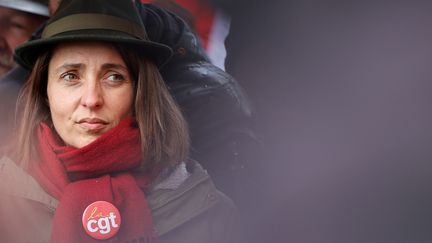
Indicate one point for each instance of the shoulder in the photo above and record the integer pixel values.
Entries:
(194, 212)
(16, 182)
(26, 210)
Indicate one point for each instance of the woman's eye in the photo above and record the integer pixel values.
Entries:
(69, 77)
(115, 77)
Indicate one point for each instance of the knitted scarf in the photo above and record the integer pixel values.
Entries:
(104, 170)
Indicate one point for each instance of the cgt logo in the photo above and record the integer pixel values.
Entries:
(101, 220)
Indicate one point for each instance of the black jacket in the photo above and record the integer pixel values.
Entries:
(213, 103)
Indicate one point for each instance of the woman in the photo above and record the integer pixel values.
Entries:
(100, 144)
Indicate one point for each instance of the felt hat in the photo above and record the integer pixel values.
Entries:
(115, 21)
(37, 7)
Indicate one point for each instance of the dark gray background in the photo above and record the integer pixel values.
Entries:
(342, 91)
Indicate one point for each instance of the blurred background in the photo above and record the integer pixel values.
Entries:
(342, 97)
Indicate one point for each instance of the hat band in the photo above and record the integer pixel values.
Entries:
(93, 21)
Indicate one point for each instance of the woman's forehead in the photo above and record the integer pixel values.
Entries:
(79, 52)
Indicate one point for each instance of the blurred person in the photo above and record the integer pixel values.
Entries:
(101, 147)
(18, 20)
(211, 24)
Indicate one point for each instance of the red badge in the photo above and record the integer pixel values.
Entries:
(101, 220)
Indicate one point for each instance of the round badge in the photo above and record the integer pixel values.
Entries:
(101, 220)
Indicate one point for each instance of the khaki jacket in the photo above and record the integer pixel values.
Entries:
(194, 212)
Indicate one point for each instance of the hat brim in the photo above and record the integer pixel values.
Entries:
(27, 53)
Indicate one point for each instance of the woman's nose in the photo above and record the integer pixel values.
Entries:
(92, 97)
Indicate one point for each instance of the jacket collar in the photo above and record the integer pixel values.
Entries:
(171, 207)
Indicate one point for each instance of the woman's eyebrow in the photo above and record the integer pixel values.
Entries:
(68, 66)
(113, 66)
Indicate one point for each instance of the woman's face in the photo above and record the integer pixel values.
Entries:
(89, 91)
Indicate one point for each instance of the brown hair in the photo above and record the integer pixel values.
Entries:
(164, 135)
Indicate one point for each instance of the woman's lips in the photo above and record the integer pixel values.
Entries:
(92, 124)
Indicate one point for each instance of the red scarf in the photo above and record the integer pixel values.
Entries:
(104, 170)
